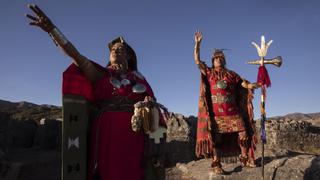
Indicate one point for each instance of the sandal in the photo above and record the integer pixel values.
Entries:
(251, 163)
(243, 160)
(246, 162)
(217, 167)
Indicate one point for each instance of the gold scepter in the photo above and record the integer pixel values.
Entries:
(264, 80)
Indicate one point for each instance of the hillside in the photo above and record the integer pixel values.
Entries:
(28, 111)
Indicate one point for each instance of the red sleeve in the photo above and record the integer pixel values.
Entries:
(76, 83)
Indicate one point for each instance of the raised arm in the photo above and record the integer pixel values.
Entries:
(42, 20)
(197, 39)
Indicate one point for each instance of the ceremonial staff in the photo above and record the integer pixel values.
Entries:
(264, 80)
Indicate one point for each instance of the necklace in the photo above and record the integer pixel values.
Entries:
(222, 84)
(136, 87)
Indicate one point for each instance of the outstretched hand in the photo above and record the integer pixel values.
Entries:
(41, 20)
(197, 36)
(248, 85)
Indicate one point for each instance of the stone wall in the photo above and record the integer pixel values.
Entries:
(293, 134)
(20, 134)
(27, 133)
(180, 140)
(284, 135)
(48, 135)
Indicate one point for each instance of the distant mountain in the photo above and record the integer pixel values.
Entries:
(314, 118)
(6, 104)
(25, 110)
(298, 116)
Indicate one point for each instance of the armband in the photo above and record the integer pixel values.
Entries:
(57, 36)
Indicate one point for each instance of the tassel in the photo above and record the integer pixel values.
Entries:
(263, 76)
(263, 130)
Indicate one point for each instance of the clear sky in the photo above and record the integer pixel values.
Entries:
(162, 34)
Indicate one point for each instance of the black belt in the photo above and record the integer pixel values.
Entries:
(117, 105)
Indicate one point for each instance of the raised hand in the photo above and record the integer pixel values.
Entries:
(197, 36)
(41, 20)
(196, 52)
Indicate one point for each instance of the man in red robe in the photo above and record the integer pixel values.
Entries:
(225, 119)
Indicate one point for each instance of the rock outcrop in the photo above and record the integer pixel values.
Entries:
(295, 167)
(292, 152)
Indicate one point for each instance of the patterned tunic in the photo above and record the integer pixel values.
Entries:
(224, 100)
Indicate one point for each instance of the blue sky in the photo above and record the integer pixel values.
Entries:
(162, 34)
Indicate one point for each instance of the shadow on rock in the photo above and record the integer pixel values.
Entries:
(235, 170)
(313, 172)
(266, 160)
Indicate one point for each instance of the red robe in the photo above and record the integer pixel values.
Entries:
(119, 150)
